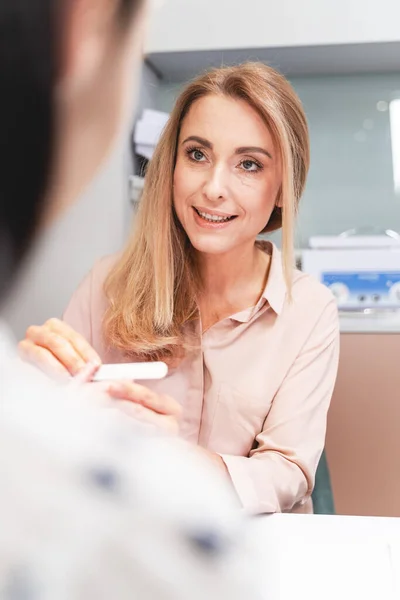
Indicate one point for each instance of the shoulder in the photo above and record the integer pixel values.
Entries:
(88, 303)
(307, 289)
(103, 267)
(313, 308)
(307, 296)
(92, 286)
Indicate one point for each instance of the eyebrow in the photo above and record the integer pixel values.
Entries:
(199, 140)
(241, 150)
(246, 149)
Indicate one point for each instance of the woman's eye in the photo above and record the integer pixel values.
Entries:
(197, 155)
(250, 165)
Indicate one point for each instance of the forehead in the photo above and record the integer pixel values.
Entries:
(226, 121)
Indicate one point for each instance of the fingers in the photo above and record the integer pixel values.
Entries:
(77, 341)
(86, 374)
(62, 345)
(56, 345)
(133, 392)
(166, 423)
(42, 358)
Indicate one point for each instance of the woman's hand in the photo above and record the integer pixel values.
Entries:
(160, 411)
(57, 349)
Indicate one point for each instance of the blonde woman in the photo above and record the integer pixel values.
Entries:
(252, 343)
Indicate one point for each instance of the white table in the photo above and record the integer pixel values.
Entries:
(307, 557)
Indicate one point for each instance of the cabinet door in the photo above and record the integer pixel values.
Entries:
(363, 441)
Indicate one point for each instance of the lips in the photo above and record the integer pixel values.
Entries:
(211, 217)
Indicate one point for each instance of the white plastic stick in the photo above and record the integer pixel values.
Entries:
(132, 371)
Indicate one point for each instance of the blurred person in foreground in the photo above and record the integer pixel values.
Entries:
(92, 505)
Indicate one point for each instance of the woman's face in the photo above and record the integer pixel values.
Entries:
(227, 175)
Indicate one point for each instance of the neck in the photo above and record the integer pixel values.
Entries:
(223, 274)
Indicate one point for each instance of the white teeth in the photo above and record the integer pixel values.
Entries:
(213, 218)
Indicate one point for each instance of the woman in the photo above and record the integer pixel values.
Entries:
(252, 343)
(80, 517)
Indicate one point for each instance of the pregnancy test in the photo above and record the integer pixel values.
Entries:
(132, 371)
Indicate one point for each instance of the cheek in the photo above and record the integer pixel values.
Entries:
(184, 184)
(179, 192)
(177, 187)
(258, 200)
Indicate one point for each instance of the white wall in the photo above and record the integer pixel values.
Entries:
(222, 24)
(148, 89)
(148, 96)
(92, 228)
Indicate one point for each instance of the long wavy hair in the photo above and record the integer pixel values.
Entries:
(152, 289)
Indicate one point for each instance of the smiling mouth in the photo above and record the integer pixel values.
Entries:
(209, 218)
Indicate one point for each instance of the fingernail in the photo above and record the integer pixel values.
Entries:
(95, 363)
(86, 368)
(93, 366)
(86, 372)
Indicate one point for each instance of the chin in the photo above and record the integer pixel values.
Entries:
(211, 246)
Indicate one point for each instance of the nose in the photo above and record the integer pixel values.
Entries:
(216, 185)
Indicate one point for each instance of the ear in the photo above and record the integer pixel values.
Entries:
(86, 33)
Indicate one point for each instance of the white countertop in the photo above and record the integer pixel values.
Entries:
(372, 323)
(310, 557)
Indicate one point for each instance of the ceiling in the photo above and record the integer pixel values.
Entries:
(293, 61)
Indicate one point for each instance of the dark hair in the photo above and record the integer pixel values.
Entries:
(28, 73)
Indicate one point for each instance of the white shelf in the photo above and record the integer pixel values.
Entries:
(378, 323)
(136, 185)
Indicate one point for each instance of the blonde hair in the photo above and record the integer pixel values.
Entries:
(152, 289)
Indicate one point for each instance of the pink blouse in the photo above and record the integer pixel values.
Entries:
(256, 390)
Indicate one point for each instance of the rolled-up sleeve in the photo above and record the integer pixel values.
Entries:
(279, 473)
